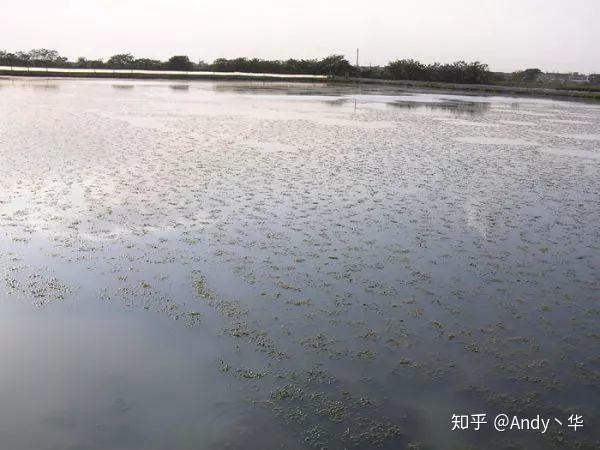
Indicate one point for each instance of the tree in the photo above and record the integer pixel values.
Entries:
(40, 57)
(10, 59)
(528, 75)
(43, 54)
(179, 62)
(148, 64)
(331, 65)
(121, 61)
(477, 72)
(407, 69)
(84, 63)
(334, 65)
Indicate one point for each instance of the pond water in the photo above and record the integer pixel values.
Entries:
(213, 265)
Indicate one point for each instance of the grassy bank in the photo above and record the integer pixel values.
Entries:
(586, 93)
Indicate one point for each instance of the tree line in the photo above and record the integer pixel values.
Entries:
(331, 65)
(410, 69)
(51, 58)
(403, 69)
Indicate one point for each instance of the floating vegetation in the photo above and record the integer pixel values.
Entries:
(319, 341)
(201, 290)
(39, 287)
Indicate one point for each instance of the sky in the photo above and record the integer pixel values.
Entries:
(553, 35)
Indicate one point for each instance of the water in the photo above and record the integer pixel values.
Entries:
(249, 265)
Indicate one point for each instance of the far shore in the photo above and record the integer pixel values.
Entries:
(488, 89)
(494, 89)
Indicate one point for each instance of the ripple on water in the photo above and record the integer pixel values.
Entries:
(571, 152)
(484, 140)
(581, 136)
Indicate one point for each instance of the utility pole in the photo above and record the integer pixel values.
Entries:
(357, 58)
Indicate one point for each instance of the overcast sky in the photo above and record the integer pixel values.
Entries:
(507, 34)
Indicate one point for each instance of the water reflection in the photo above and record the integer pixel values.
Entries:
(281, 88)
(179, 87)
(48, 86)
(123, 86)
(337, 102)
(97, 376)
(454, 107)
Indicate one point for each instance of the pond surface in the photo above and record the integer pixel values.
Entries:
(258, 265)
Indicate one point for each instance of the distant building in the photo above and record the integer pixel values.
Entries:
(554, 77)
(578, 78)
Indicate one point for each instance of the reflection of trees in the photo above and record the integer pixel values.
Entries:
(179, 87)
(456, 107)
